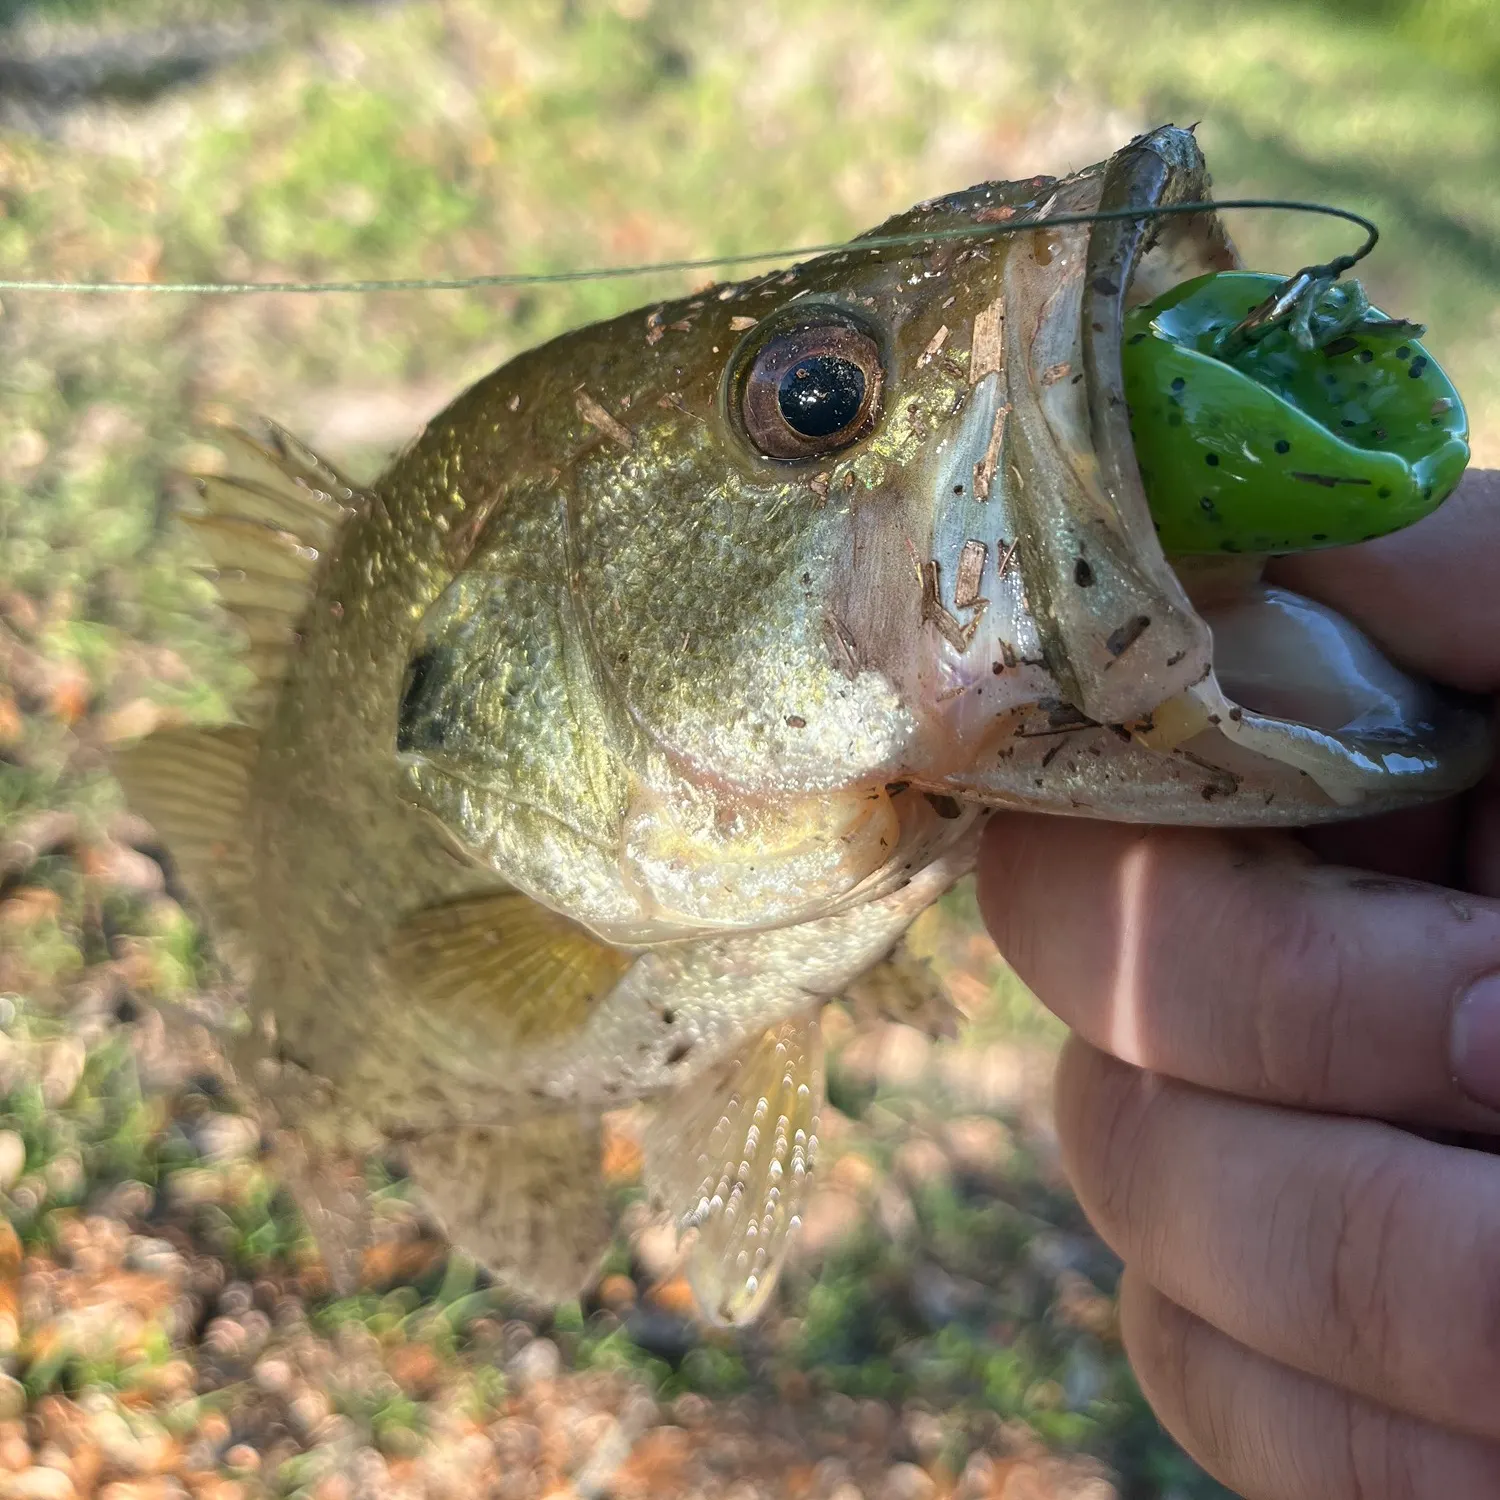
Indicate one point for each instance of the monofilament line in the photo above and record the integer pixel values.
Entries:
(872, 245)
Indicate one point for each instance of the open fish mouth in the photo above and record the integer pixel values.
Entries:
(1101, 676)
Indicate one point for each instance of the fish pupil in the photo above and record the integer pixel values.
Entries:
(821, 395)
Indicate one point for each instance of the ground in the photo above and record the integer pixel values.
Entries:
(948, 1329)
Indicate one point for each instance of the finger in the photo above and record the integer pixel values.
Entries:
(1346, 1249)
(1427, 593)
(1273, 1434)
(1235, 961)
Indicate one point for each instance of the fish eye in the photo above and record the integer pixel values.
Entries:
(812, 390)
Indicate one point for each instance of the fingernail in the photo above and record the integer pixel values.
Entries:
(1474, 1042)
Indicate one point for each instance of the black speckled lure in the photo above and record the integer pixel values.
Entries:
(1324, 424)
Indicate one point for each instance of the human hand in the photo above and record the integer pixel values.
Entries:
(1281, 1106)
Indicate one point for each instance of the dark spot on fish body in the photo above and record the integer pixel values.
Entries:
(418, 724)
(1179, 384)
(1404, 352)
(1340, 346)
(1282, 446)
(1123, 637)
(1417, 366)
(796, 721)
(1083, 574)
(1211, 459)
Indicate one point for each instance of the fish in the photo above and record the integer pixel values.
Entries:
(635, 712)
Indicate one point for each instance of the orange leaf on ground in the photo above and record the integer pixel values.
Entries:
(29, 906)
(10, 721)
(675, 1296)
(68, 692)
(394, 1261)
(656, 1464)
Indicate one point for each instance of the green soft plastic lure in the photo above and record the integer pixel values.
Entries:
(1333, 432)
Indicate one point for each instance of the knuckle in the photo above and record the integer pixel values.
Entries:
(1363, 1311)
(1378, 1239)
(1380, 1458)
(1471, 1367)
(1301, 988)
(1181, 1365)
(1106, 1116)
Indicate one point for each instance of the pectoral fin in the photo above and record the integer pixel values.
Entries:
(526, 1201)
(503, 960)
(731, 1156)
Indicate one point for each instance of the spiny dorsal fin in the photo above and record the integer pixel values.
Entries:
(503, 958)
(192, 786)
(266, 523)
(731, 1156)
(526, 1201)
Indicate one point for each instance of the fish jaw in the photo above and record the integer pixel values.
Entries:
(1061, 661)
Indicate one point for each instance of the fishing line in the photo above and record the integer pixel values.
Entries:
(873, 245)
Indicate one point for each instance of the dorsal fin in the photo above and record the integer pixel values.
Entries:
(266, 522)
(192, 786)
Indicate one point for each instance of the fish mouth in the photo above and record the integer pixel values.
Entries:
(1187, 689)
